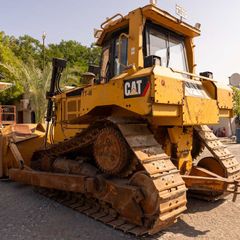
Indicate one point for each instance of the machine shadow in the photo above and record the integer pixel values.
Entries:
(196, 205)
(181, 227)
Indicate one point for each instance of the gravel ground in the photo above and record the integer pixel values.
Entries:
(25, 215)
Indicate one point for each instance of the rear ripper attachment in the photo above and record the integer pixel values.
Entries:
(216, 176)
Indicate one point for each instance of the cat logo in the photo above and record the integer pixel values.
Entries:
(136, 87)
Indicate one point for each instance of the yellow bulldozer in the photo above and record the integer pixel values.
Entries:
(124, 149)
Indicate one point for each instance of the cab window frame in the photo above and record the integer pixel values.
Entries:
(146, 40)
(111, 41)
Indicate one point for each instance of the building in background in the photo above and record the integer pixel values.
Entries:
(25, 110)
(20, 112)
(227, 127)
(7, 113)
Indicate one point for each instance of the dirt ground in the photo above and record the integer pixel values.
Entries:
(24, 214)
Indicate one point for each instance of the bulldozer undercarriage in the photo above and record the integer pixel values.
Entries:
(142, 192)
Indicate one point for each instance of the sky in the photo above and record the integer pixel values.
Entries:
(217, 49)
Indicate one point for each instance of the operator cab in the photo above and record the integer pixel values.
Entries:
(143, 37)
(158, 43)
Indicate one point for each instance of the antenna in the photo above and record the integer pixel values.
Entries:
(153, 2)
(181, 12)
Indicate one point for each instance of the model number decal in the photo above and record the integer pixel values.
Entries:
(136, 87)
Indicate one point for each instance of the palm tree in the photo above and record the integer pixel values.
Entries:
(36, 83)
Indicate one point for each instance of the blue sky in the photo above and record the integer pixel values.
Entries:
(217, 50)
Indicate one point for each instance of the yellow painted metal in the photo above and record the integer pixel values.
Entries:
(135, 53)
(200, 111)
(224, 97)
(154, 14)
(226, 113)
(108, 94)
(189, 44)
(211, 88)
(170, 22)
(165, 110)
(113, 26)
(166, 102)
(166, 121)
(64, 131)
(168, 90)
(182, 139)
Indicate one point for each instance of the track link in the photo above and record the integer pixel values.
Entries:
(167, 180)
(95, 209)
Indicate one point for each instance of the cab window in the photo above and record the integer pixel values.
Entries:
(120, 60)
(105, 64)
(114, 56)
(168, 46)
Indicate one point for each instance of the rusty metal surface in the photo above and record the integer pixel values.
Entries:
(110, 151)
(149, 198)
(223, 163)
(48, 180)
(205, 183)
(165, 178)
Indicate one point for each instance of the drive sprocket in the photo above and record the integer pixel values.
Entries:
(111, 152)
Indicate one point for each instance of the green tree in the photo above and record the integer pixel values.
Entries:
(36, 84)
(10, 68)
(236, 101)
(79, 57)
(27, 49)
(21, 63)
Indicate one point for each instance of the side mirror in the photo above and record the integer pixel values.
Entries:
(152, 60)
(94, 69)
(207, 74)
(88, 78)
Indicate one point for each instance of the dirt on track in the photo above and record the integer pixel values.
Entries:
(25, 215)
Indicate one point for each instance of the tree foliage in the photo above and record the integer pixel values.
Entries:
(21, 63)
(236, 101)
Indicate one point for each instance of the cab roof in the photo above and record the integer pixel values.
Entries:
(150, 12)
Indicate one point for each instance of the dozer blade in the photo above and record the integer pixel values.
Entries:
(17, 145)
(72, 183)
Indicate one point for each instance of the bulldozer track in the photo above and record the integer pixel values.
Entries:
(161, 206)
(220, 152)
(93, 208)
